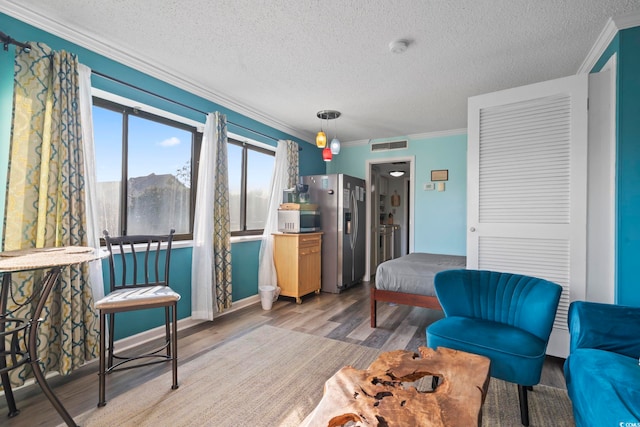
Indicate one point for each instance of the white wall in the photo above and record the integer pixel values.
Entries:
(601, 184)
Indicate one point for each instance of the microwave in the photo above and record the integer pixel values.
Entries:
(298, 221)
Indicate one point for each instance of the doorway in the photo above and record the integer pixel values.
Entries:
(390, 210)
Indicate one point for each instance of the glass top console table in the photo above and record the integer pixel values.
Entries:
(19, 336)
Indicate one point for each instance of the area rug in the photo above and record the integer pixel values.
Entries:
(274, 377)
(548, 406)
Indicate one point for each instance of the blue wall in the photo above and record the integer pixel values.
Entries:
(244, 254)
(244, 270)
(440, 217)
(626, 44)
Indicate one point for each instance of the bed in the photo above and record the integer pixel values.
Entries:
(408, 280)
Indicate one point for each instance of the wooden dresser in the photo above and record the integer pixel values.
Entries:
(297, 258)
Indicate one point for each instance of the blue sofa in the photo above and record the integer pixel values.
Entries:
(603, 370)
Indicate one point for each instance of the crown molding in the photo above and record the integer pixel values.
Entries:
(413, 137)
(607, 34)
(138, 62)
(629, 20)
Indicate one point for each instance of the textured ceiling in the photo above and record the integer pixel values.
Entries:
(282, 61)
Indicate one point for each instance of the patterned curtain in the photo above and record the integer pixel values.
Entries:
(46, 202)
(221, 218)
(292, 160)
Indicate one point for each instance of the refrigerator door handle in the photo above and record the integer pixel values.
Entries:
(354, 234)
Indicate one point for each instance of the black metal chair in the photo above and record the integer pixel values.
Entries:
(139, 280)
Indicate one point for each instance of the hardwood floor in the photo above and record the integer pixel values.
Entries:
(343, 317)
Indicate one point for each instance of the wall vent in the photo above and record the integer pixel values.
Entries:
(390, 145)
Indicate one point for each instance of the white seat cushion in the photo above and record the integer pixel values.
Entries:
(137, 297)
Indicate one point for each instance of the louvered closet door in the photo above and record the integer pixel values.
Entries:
(527, 187)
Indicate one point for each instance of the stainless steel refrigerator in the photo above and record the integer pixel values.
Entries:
(341, 199)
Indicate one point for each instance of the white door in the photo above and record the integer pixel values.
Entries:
(527, 187)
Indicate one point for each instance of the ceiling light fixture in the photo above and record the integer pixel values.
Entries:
(321, 137)
(335, 142)
(396, 174)
(326, 154)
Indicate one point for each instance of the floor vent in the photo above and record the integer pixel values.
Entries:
(391, 145)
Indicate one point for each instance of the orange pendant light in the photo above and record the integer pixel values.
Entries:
(321, 139)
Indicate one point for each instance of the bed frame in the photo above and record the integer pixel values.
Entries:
(400, 298)
(410, 273)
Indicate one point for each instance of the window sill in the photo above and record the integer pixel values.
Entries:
(240, 239)
(179, 244)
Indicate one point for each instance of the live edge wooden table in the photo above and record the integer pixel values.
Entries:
(378, 396)
(21, 334)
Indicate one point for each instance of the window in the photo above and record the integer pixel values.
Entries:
(146, 182)
(250, 171)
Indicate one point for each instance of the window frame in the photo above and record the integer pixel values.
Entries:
(196, 146)
(246, 146)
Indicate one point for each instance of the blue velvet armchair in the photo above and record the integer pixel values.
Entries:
(603, 368)
(505, 317)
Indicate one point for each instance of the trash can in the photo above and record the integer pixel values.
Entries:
(267, 295)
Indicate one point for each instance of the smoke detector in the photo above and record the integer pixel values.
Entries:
(398, 46)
